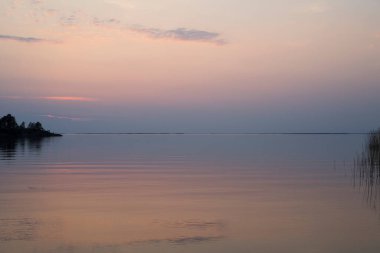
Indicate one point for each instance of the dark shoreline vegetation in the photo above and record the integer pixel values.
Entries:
(367, 170)
(10, 129)
(212, 133)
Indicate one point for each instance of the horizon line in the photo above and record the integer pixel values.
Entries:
(214, 133)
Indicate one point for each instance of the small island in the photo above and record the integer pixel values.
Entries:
(10, 128)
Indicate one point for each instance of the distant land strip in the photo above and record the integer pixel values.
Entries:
(180, 133)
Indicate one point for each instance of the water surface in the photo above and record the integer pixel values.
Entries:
(185, 193)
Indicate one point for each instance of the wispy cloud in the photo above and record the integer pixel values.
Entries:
(66, 98)
(109, 21)
(25, 39)
(51, 116)
(71, 19)
(316, 8)
(183, 34)
(52, 98)
(40, 13)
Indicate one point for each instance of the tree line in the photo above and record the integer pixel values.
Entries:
(9, 126)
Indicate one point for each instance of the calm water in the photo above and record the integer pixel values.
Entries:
(185, 193)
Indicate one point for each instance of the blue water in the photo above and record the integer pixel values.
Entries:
(185, 193)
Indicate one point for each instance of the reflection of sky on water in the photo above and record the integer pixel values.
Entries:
(185, 193)
(17, 229)
(228, 150)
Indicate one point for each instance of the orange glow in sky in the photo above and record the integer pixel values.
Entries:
(82, 99)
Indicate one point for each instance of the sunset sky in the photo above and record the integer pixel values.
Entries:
(191, 66)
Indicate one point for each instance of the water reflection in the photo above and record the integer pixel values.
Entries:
(20, 229)
(11, 147)
(367, 170)
(185, 193)
(8, 148)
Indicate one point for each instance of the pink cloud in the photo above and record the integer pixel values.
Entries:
(180, 34)
(69, 98)
(53, 98)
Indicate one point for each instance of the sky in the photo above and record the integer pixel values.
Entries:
(200, 66)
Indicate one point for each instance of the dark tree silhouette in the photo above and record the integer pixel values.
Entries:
(8, 122)
(9, 127)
